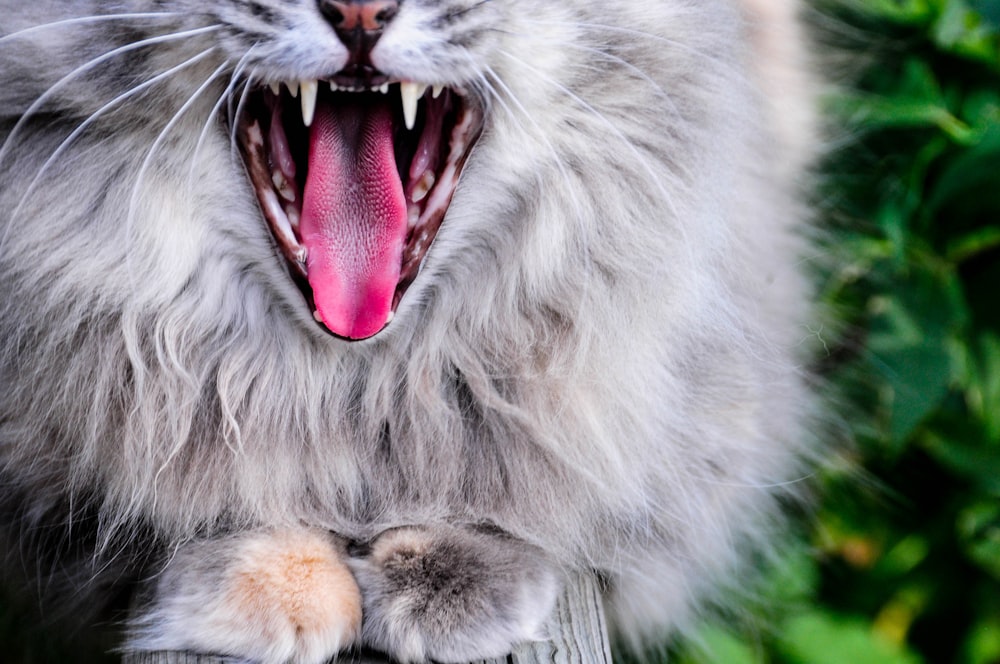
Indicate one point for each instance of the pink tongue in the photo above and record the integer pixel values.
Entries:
(353, 217)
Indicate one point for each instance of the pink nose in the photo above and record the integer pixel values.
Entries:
(349, 16)
(358, 24)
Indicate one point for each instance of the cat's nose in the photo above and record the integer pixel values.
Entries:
(359, 24)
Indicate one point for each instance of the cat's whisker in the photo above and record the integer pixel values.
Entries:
(540, 133)
(226, 94)
(151, 153)
(498, 91)
(660, 92)
(87, 66)
(235, 114)
(602, 28)
(654, 177)
(84, 20)
(491, 95)
(93, 117)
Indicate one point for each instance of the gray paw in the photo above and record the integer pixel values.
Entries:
(452, 594)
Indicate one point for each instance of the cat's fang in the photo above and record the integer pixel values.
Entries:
(410, 93)
(309, 92)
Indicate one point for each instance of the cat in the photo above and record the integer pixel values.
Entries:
(329, 323)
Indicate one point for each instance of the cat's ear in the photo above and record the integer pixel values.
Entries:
(453, 594)
(268, 596)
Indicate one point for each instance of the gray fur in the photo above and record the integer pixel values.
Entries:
(452, 594)
(601, 356)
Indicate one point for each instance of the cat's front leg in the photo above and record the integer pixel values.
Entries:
(452, 594)
(273, 597)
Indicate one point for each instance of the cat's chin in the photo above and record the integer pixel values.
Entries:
(354, 183)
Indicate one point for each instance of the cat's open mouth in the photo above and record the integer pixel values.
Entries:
(355, 184)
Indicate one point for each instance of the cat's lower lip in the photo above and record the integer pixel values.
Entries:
(352, 262)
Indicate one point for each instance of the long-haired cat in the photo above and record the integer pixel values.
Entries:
(334, 322)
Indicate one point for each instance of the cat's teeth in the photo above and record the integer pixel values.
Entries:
(436, 91)
(334, 87)
(282, 186)
(293, 88)
(423, 185)
(309, 90)
(384, 88)
(275, 88)
(411, 94)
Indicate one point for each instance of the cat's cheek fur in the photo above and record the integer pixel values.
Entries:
(453, 594)
(271, 597)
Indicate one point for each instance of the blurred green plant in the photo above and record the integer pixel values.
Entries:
(904, 565)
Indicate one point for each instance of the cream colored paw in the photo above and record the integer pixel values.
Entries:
(272, 597)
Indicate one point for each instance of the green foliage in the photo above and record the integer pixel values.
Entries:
(905, 560)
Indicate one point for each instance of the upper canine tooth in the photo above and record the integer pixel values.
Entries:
(309, 89)
(411, 93)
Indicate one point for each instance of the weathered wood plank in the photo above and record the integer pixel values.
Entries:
(578, 636)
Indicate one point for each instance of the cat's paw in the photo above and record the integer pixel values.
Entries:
(272, 597)
(452, 594)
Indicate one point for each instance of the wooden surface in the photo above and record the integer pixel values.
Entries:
(579, 635)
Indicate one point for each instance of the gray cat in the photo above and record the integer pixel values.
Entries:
(339, 322)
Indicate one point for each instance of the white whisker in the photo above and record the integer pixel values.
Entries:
(136, 188)
(234, 116)
(48, 94)
(666, 41)
(543, 136)
(83, 20)
(660, 92)
(654, 177)
(89, 121)
(226, 94)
